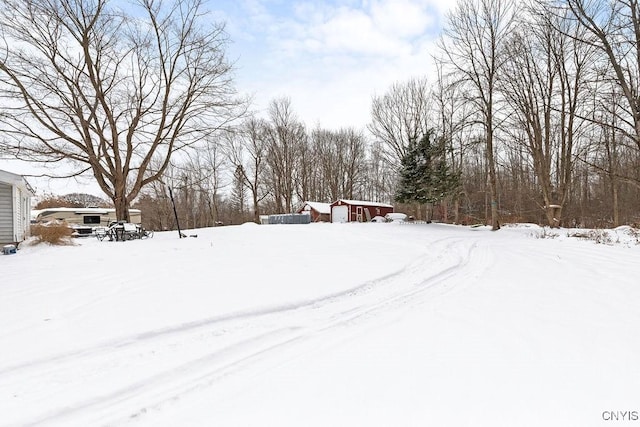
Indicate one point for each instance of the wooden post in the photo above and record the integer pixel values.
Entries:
(175, 212)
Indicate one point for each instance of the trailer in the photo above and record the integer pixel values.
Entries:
(84, 221)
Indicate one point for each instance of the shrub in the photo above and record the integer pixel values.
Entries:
(634, 233)
(544, 233)
(55, 233)
(598, 235)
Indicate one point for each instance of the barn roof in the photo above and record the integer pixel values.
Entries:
(323, 208)
(362, 203)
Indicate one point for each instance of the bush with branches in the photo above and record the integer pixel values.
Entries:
(54, 233)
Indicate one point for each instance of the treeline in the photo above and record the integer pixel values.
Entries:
(266, 166)
(536, 106)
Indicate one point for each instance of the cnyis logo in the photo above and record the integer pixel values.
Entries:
(620, 416)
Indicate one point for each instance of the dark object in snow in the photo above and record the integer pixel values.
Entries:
(121, 231)
(9, 249)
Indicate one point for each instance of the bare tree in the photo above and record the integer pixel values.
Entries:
(380, 177)
(285, 138)
(311, 181)
(342, 162)
(238, 195)
(400, 116)
(202, 168)
(306, 171)
(327, 149)
(547, 82)
(247, 152)
(83, 83)
(212, 165)
(454, 124)
(354, 162)
(473, 44)
(608, 143)
(614, 28)
(156, 205)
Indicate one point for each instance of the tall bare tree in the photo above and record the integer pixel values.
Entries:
(380, 176)
(204, 167)
(247, 151)
(608, 143)
(547, 69)
(400, 116)
(614, 28)
(285, 138)
(341, 160)
(354, 162)
(83, 83)
(473, 43)
(454, 124)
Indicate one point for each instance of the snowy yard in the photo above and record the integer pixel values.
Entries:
(324, 325)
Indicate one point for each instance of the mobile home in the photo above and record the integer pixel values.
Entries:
(85, 220)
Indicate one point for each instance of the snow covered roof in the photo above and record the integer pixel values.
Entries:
(86, 210)
(17, 180)
(323, 208)
(363, 203)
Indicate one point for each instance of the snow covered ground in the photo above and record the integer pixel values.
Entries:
(324, 325)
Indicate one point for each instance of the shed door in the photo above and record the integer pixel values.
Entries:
(340, 213)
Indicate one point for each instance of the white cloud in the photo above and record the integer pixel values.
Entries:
(331, 58)
(383, 27)
(402, 18)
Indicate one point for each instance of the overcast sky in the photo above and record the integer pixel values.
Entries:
(328, 57)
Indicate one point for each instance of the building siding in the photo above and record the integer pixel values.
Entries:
(360, 211)
(6, 213)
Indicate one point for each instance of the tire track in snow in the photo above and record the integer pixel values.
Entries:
(221, 321)
(202, 354)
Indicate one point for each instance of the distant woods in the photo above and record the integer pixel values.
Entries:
(535, 110)
(532, 114)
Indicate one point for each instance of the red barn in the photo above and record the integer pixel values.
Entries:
(357, 210)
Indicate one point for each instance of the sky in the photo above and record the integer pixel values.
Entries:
(329, 58)
(357, 324)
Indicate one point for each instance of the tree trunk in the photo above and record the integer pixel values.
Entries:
(122, 207)
(456, 211)
(616, 204)
(493, 192)
(553, 213)
(256, 208)
(445, 211)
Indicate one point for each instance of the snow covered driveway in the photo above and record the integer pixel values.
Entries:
(322, 324)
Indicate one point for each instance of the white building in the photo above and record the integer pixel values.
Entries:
(15, 207)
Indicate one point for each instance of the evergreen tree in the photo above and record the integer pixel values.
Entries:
(425, 175)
